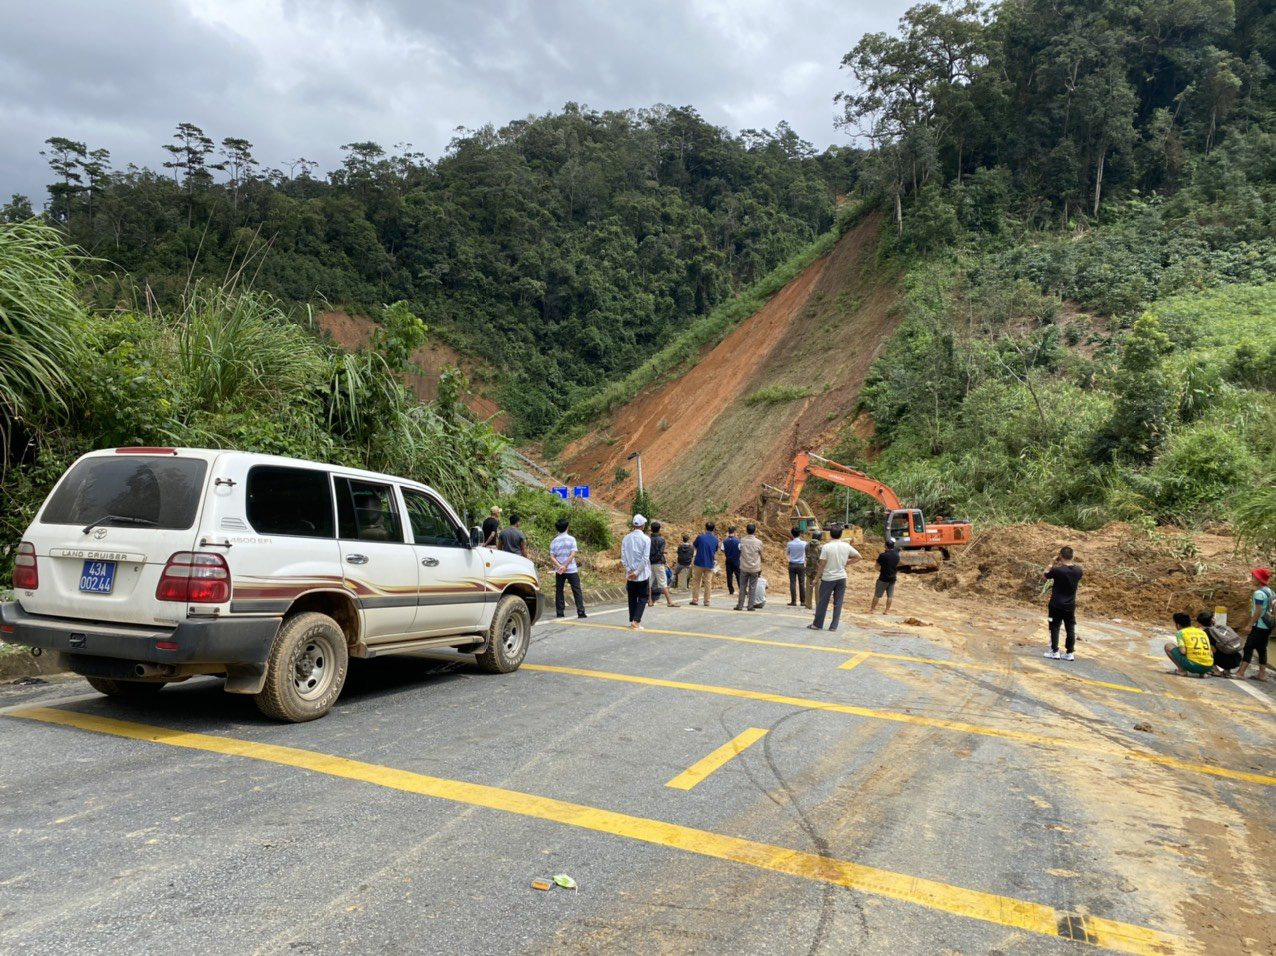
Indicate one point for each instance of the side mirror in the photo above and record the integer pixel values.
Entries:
(476, 537)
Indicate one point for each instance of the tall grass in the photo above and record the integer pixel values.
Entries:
(38, 310)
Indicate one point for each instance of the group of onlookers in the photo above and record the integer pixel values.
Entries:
(1211, 647)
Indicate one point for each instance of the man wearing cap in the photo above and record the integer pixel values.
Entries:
(813, 567)
(635, 555)
(1262, 615)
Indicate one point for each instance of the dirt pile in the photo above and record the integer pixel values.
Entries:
(1130, 572)
(705, 446)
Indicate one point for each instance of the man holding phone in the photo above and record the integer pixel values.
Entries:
(1065, 575)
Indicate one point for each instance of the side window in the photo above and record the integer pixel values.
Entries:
(366, 512)
(919, 522)
(899, 524)
(289, 501)
(430, 523)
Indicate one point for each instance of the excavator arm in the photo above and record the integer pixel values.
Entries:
(807, 465)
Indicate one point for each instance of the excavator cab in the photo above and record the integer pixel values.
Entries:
(905, 523)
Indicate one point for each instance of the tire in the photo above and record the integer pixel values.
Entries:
(306, 669)
(508, 637)
(112, 687)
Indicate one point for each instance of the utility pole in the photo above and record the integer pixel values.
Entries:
(637, 456)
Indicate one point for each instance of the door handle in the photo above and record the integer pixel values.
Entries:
(356, 559)
(430, 562)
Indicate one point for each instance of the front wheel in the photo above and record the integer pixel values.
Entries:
(112, 687)
(306, 669)
(508, 636)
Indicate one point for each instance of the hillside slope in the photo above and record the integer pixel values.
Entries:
(705, 446)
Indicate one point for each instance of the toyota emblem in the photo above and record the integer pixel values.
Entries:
(99, 533)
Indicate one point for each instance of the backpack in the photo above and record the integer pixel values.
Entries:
(1269, 612)
(1228, 641)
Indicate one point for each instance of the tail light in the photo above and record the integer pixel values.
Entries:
(195, 578)
(26, 573)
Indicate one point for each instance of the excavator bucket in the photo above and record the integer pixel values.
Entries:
(920, 562)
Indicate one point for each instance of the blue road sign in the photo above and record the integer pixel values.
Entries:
(580, 491)
(560, 491)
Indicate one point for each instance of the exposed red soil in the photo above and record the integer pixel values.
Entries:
(354, 331)
(704, 447)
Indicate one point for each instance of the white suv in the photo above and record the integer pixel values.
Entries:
(151, 565)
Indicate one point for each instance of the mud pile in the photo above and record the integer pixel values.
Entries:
(1130, 572)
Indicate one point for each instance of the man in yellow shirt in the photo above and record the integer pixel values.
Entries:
(1191, 654)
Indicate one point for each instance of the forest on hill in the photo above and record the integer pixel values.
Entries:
(562, 249)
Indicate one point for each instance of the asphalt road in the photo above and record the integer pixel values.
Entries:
(968, 801)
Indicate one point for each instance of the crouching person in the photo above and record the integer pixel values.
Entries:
(1191, 654)
(1225, 643)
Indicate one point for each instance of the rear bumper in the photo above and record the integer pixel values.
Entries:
(219, 641)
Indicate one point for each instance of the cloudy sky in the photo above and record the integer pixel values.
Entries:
(302, 77)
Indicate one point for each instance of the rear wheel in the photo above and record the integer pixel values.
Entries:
(508, 636)
(306, 669)
(112, 687)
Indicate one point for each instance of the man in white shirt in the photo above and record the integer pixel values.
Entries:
(759, 592)
(635, 555)
(835, 557)
(563, 551)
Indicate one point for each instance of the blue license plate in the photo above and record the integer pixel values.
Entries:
(98, 577)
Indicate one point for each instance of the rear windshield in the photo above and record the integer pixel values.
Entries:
(161, 491)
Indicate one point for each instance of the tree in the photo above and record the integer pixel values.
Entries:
(65, 156)
(96, 167)
(190, 153)
(239, 164)
(1141, 418)
(17, 209)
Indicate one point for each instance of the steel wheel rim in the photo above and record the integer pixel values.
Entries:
(314, 667)
(513, 635)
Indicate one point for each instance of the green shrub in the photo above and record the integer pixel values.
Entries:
(540, 510)
(1201, 468)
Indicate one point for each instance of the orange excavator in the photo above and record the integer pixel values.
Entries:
(918, 540)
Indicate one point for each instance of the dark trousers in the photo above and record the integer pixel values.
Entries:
(1257, 641)
(574, 580)
(638, 592)
(748, 583)
(797, 583)
(733, 575)
(835, 590)
(1068, 618)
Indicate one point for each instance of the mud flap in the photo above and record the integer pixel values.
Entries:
(245, 678)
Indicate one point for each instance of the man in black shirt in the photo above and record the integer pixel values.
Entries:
(887, 572)
(659, 580)
(1066, 575)
(512, 538)
(686, 553)
(492, 527)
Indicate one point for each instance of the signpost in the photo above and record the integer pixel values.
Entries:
(580, 491)
(561, 491)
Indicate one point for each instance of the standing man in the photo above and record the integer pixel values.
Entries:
(686, 552)
(750, 567)
(796, 549)
(658, 580)
(512, 538)
(835, 557)
(635, 555)
(1262, 616)
(492, 527)
(1062, 610)
(813, 567)
(562, 551)
(731, 553)
(887, 572)
(706, 545)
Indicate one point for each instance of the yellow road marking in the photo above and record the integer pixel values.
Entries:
(931, 661)
(855, 661)
(960, 901)
(707, 765)
(1020, 736)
